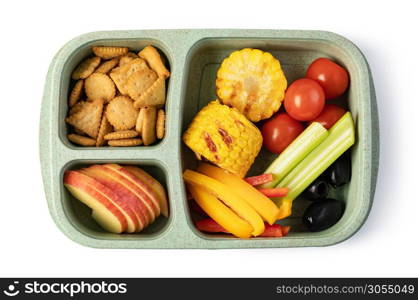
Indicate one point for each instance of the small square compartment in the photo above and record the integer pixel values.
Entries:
(295, 55)
(79, 215)
(83, 52)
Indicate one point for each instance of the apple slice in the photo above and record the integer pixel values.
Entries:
(99, 198)
(153, 184)
(103, 221)
(137, 217)
(130, 189)
(137, 186)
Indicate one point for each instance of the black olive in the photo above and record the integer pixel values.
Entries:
(323, 214)
(339, 173)
(317, 190)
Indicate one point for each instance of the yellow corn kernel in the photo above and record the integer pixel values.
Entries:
(252, 81)
(225, 137)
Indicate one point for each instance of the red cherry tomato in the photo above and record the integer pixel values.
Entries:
(332, 77)
(304, 99)
(330, 115)
(279, 132)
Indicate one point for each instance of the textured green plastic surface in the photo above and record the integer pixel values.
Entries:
(194, 56)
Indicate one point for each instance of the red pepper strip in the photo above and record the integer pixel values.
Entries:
(285, 230)
(196, 208)
(275, 192)
(260, 179)
(209, 225)
(275, 230)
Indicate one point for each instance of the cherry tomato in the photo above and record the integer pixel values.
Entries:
(304, 99)
(279, 132)
(332, 77)
(330, 115)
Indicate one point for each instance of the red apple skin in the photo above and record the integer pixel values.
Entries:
(91, 187)
(141, 189)
(145, 188)
(136, 213)
(152, 183)
(130, 188)
(139, 209)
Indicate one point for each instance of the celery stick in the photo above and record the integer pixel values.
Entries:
(340, 138)
(308, 140)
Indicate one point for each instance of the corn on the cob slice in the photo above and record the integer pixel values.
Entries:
(252, 81)
(225, 137)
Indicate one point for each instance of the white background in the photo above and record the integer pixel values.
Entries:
(33, 31)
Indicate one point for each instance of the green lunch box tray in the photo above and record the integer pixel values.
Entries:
(193, 57)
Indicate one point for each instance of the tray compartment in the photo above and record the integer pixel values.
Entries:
(203, 61)
(79, 215)
(84, 52)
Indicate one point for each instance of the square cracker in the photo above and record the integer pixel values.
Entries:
(121, 74)
(86, 116)
(139, 82)
(153, 96)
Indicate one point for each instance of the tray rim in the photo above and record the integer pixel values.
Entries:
(197, 36)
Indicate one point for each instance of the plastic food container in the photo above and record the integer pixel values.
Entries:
(194, 57)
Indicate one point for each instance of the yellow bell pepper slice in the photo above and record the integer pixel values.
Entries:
(227, 196)
(220, 212)
(265, 207)
(285, 208)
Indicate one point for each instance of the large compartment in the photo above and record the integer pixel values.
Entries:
(295, 55)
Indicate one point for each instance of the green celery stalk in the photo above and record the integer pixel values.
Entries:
(341, 137)
(308, 140)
